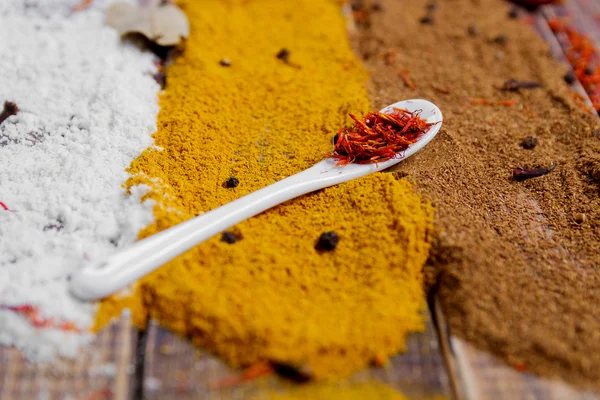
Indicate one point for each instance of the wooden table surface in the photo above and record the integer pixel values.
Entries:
(124, 363)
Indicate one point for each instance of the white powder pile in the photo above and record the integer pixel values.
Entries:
(88, 106)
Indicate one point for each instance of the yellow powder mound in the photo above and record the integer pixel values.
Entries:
(271, 296)
(325, 391)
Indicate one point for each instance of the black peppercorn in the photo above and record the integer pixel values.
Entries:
(473, 30)
(513, 13)
(229, 237)
(589, 71)
(529, 142)
(231, 182)
(284, 55)
(569, 77)
(327, 241)
(225, 62)
(376, 6)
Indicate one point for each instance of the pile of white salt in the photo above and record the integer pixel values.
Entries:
(88, 106)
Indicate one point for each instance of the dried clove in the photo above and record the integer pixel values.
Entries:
(521, 174)
(432, 5)
(427, 19)
(284, 55)
(165, 54)
(327, 241)
(514, 85)
(161, 79)
(231, 182)
(529, 142)
(56, 227)
(500, 39)
(296, 373)
(10, 108)
(356, 5)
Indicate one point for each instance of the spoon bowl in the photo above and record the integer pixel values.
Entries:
(101, 279)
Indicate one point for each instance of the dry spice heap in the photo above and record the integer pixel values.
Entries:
(378, 137)
(583, 56)
(271, 295)
(328, 391)
(516, 263)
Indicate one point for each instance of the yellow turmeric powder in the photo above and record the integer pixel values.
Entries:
(328, 391)
(271, 296)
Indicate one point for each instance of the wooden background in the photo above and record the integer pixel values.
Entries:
(124, 363)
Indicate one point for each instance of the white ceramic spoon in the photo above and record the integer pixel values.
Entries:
(123, 268)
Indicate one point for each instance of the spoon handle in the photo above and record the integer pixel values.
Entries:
(122, 268)
(119, 270)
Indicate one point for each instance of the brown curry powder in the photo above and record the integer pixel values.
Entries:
(271, 296)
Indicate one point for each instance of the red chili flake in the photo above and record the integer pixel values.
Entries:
(4, 207)
(441, 89)
(390, 57)
(529, 112)
(486, 102)
(520, 367)
(378, 137)
(406, 79)
(478, 101)
(580, 101)
(583, 56)
(255, 371)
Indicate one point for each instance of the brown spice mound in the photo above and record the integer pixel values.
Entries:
(517, 274)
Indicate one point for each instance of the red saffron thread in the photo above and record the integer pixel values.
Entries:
(37, 320)
(379, 137)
